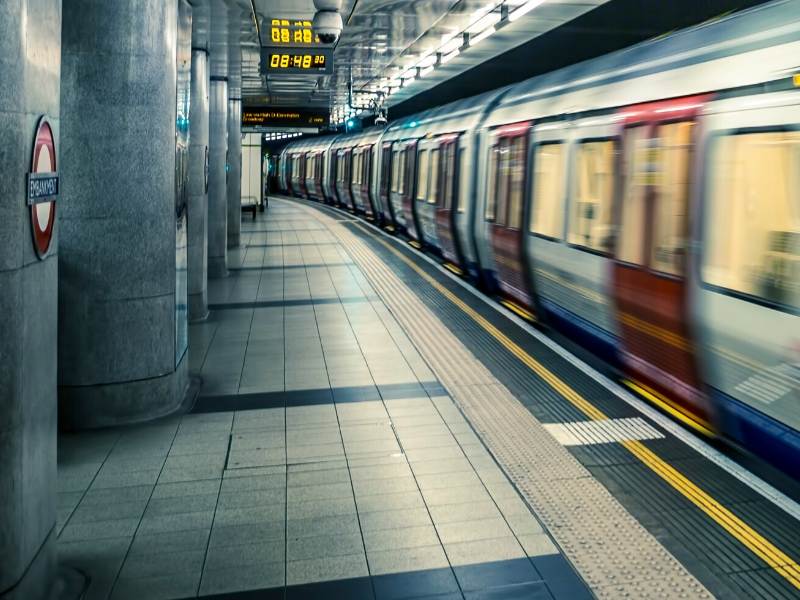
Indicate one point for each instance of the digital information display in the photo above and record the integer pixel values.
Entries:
(307, 61)
(291, 32)
(263, 118)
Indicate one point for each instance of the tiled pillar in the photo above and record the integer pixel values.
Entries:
(217, 189)
(119, 308)
(234, 171)
(30, 61)
(198, 188)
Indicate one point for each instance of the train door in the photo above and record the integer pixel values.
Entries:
(446, 207)
(301, 176)
(347, 182)
(398, 185)
(407, 196)
(748, 288)
(650, 266)
(504, 209)
(426, 196)
(385, 185)
(369, 201)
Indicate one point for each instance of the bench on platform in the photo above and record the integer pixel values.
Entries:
(250, 203)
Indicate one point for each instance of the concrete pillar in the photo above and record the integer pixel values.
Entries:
(118, 306)
(217, 188)
(198, 188)
(234, 171)
(30, 61)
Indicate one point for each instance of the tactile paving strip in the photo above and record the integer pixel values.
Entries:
(615, 555)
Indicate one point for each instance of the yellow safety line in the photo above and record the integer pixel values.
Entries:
(518, 310)
(671, 338)
(693, 421)
(453, 268)
(784, 565)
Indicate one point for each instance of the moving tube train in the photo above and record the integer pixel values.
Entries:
(645, 203)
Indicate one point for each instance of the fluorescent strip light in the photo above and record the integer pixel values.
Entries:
(446, 58)
(525, 9)
(474, 41)
(484, 22)
(425, 71)
(453, 44)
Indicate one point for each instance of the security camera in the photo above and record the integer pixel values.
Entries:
(381, 120)
(327, 25)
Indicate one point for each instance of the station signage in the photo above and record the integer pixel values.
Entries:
(42, 187)
(265, 118)
(297, 61)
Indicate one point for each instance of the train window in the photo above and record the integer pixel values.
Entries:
(394, 177)
(752, 216)
(671, 198)
(590, 223)
(547, 216)
(517, 167)
(422, 175)
(503, 173)
(639, 160)
(448, 171)
(401, 170)
(433, 186)
(465, 176)
(491, 184)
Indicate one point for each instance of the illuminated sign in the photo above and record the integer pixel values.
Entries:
(291, 32)
(294, 61)
(255, 118)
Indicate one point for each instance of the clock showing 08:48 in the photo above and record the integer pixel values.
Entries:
(310, 61)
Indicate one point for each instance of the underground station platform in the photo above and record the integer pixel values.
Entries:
(368, 426)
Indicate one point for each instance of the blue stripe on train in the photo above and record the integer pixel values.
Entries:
(599, 342)
(761, 434)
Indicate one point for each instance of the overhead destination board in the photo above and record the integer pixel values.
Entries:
(291, 32)
(265, 118)
(295, 61)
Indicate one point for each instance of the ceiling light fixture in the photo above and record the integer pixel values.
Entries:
(425, 71)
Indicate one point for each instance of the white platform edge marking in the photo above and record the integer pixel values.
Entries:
(583, 433)
(733, 468)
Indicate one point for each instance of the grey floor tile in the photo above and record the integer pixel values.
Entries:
(394, 519)
(240, 459)
(247, 480)
(247, 554)
(455, 495)
(402, 560)
(122, 479)
(436, 466)
(250, 533)
(467, 531)
(321, 508)
(256, 514)
(522, 524)
(483, 551)
(399, 469)
(327, 476)
(379, 502)
(326, 569)
(157, 588)
(184, 489)
(145, 566)
(176, 541)
(182, 504)
(242, 578)
(448, 480)
(319, 492)
(537, 544)
(302, 548)
(333, 525)
(407, 537)
(99, 530)
(394, 485)
(314, 452)
(93, 512)
(176, 522)
(454, 513)
(252, 498)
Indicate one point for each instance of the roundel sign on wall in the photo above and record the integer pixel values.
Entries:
(42, 187)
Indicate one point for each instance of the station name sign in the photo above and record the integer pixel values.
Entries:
(42, 187)
(262, 117)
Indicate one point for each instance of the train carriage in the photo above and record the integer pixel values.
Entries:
(646, 203)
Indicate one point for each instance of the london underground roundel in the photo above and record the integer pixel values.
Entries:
(42, 187)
